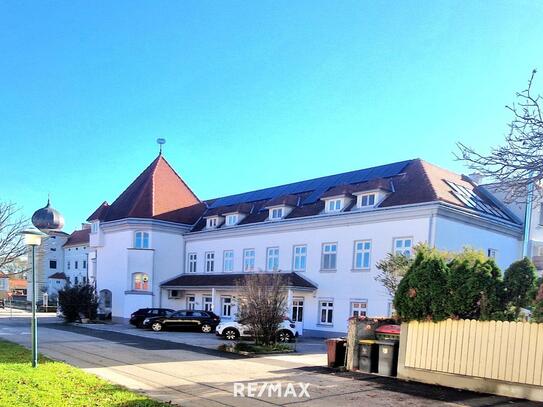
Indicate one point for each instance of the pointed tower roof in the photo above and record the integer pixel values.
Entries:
(158, 190)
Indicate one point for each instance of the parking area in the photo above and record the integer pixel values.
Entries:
(303, 345)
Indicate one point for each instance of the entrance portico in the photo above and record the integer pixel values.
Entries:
(219, 293)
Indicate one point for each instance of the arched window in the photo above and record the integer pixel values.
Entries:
(141, 240)
(140, 281)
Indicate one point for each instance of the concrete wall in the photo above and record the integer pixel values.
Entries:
(504, 358)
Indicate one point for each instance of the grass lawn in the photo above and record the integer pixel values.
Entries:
(56, 384)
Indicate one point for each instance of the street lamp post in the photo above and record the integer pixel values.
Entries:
(33, 238)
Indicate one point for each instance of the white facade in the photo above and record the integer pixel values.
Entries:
(344, 285)
(76, 263)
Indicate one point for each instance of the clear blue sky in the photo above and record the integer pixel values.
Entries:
(248, 94)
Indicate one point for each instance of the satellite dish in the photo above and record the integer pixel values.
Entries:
(161, 142)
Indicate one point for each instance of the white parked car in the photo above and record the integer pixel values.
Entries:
(232, 330)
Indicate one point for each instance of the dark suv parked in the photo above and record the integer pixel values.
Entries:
(139, 316)
(205, 321)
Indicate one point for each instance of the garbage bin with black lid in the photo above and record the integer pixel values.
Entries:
(335, 349)
(368, 356)
(388, 358)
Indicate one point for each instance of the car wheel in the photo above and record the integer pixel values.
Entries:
(284, 336)
(206, 328)
(231, 334)
(157, 326)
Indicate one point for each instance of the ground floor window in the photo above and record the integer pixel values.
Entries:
(226, 307)
(298, 310)
(326, 311)
(208, 303)
(359, 308)
(191, 301)
(175, 294)
(140, 281)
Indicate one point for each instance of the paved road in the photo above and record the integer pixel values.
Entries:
(190, 375)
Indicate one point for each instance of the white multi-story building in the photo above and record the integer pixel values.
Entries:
(157, 244)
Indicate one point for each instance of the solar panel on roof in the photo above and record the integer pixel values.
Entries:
(317, 185)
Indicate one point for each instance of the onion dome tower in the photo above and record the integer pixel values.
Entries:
(48, 219)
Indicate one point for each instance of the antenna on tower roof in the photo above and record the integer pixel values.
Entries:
(161, 142)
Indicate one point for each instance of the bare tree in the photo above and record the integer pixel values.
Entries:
(262, 305)
(11, 241)
(391, 270)
(517, 163)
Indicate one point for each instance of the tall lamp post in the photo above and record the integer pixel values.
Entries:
(32, 238)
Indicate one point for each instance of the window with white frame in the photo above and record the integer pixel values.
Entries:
(299, 259)
(359, 308)
(326, 312)
(329, 256)
(334, 205)
(191, 301)
(366, 200)
(492, 253)
(228, 260)
(140, 282)
(272, 258)
(94, 227)
(298, 309)
(276, 213)
(191, 262)
(362, 254)
(141, 240)
(212, 222)
(210, 262)
(403, 245)
(76, 264)
(231, 220)
(208, 303)
(226, 306)
(68, 265)
(248, 259)
(84, 264)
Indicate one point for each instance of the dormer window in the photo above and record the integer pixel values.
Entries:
(212, 223)
(276, 213)
(367, 200)
(334, 205)
(232, 220)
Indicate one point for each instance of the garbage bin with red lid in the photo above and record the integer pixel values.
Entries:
(388, 332)
(335, 350)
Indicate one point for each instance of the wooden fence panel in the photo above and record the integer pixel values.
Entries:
(506, 351)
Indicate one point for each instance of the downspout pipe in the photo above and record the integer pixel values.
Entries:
(527, 220)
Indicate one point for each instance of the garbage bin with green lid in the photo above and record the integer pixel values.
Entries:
(368, 356)
(388, 358)
(335, 349)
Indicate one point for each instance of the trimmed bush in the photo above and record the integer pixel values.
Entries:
(474, 286)
(77, 301)
(537, 312)
(519, 284)
(422, 293)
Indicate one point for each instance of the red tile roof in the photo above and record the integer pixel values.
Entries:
(158, 192)
(78, 238)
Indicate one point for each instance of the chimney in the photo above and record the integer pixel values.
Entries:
(85, 226)
(477, 178)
